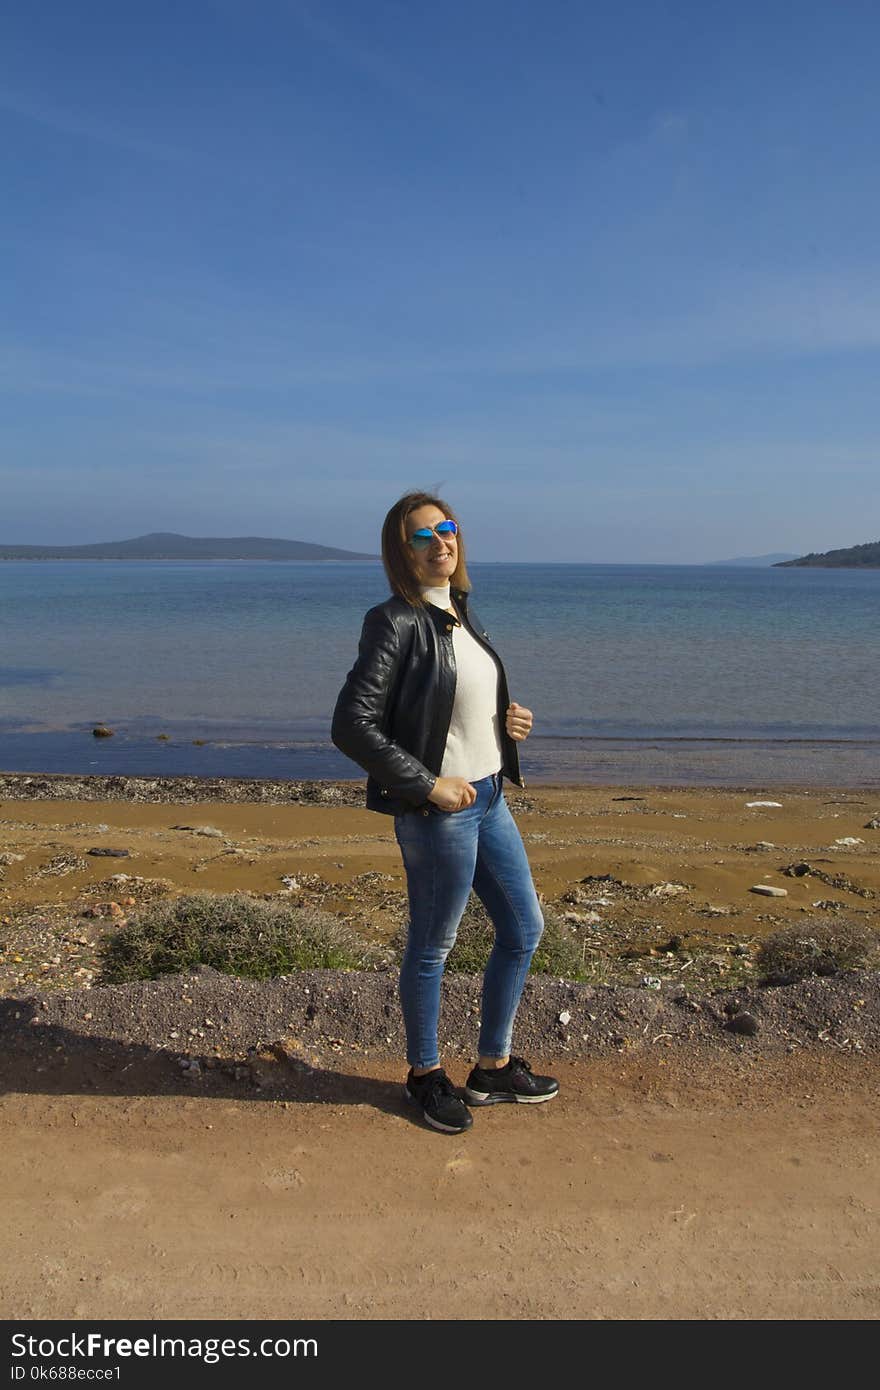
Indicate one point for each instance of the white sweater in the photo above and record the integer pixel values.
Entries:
(473, 744)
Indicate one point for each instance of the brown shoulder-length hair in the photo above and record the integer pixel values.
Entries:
(397, 553)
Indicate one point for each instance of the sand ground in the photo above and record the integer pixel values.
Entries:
(652, 1187)
(643, 1191)
(708, 843)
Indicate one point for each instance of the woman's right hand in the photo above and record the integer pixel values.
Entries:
(452, 793)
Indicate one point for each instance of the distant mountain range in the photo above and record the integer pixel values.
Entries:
(167, 545)
(779, 557)
(854, 557)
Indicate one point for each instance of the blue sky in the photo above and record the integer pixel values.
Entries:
(606, 274)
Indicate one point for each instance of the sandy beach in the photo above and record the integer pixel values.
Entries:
(683, 861)
(683, 1171)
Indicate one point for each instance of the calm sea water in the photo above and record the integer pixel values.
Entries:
(635, 673)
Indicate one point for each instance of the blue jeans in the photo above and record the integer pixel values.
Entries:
(445, 854)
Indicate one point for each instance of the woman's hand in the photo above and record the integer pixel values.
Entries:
(452, 793)
(519, 721)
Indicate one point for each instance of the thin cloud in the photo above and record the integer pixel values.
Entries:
(368, 61)
(72, 123)
(764, 319)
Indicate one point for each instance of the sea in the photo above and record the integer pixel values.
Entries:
(636, 674)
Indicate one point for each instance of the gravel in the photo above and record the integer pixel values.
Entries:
(317, 1013)
(186, 790)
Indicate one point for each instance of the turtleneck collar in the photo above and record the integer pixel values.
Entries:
(438, 595)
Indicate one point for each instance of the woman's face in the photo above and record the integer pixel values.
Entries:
(435, 565)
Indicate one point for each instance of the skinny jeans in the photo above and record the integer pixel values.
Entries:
(445, 855)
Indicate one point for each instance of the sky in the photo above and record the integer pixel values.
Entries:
(606, 276)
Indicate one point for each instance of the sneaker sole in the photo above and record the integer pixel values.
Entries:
(435, 1124)
(499, 1097)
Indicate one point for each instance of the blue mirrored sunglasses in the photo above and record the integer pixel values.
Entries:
(420, 540)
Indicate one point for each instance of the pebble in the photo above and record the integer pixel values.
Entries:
(769, 890)
(764, 803)
(744, 1023)
(798, 870)
(565, 1017)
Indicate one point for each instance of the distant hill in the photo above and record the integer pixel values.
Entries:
(855, 557)
(780, 557)
(167, 545)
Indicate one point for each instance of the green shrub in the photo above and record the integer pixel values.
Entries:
(819, 947)
(559, 951)
(235, 933)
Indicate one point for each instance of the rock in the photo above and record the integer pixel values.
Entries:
(101, 731)
(764, 845)
(849, 840)
(565, 1017)
(763, 803)
(744, 1023)
(769, 890)
(667, 890)
(107, 853)
(9, 858)
(873, 823)
(290, 882)
(209, 830)
(652, 982)
(798, 870)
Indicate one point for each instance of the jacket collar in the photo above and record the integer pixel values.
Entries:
(440, 618)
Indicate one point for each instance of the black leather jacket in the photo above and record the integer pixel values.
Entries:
(392, 715)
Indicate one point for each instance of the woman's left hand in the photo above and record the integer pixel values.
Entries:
(519, 721)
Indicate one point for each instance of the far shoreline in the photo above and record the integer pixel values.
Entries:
(594, 761)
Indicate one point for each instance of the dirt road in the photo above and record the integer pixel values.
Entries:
(650, 1188)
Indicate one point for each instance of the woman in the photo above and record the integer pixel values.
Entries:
(425, 711)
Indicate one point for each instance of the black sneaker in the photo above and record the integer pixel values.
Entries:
(441, 1107)
(514, 1081)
